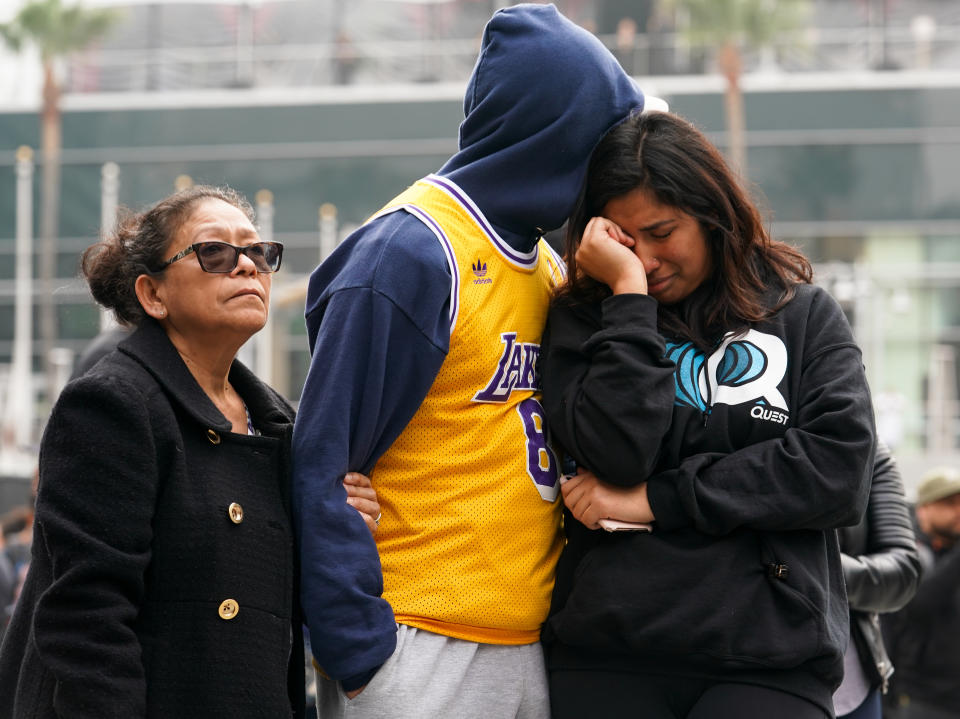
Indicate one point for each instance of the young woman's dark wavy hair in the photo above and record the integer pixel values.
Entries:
(668, 157)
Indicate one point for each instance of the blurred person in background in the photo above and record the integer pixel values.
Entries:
(162, 578)
(704, 386)
(424, 328)
(16, 536)
(16, 527)
(881, 569)
(8, 584)
(923, 638)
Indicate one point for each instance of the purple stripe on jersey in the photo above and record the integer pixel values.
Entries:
(461, 197)
(451, 258)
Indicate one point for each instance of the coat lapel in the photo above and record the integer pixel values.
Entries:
(151, 348)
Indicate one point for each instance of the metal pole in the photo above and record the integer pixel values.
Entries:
(61, 359)
(244, 46)
(264, 338)
(327, 223)
(941, 399)
(109, 193)
(18, 413)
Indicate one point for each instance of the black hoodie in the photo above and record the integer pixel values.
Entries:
(752, 455)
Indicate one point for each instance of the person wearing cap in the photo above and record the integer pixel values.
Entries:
(924, 637)
(424, 328)
(938, 507)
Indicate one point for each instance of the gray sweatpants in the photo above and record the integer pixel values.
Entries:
(431, 676)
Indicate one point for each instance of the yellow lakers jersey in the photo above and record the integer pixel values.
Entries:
(471, 523)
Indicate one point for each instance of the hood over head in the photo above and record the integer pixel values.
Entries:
(542, 94)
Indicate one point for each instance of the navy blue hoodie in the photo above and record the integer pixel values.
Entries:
(541, 96)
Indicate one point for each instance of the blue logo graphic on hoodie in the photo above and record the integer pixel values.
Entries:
(689, 361)
(743, 362)
(744, 368)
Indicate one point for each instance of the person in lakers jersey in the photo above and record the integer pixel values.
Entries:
(424, 327)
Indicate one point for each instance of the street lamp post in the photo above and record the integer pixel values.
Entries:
(18, 412)
(109, 199)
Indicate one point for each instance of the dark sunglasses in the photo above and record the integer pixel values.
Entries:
(216, 256)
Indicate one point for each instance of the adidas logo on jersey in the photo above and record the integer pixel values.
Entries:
(480, 270)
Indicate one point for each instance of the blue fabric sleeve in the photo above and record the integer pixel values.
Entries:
(377, 317)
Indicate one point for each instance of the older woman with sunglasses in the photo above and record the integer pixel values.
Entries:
(162, 582)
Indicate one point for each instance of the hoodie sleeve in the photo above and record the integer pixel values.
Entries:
(885, 576)
(377, 322)
(591, 362)
(817, 476)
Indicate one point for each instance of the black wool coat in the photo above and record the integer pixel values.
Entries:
(162, 581)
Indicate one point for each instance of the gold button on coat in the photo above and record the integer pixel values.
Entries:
(213, 436)
(236, 513)
(229, 608)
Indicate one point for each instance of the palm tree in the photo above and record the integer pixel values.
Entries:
(56, 31)
(730, 27)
